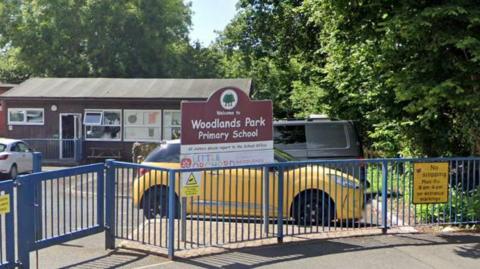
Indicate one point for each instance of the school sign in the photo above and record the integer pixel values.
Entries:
(228, 129)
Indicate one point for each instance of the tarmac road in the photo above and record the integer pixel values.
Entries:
(382, 251)
(455, 250)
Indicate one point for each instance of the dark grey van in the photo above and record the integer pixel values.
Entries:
(321, 139)
(317, 139)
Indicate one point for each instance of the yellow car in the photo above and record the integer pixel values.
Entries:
(312, 194)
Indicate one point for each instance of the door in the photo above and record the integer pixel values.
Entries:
(70, 128)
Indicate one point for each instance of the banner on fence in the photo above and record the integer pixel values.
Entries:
(430, 183)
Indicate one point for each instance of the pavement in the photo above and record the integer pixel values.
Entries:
(418, 250)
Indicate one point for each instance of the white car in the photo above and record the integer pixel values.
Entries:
(15, 158)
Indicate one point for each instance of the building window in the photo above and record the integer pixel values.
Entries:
(93, 118)
(26, 116)
(103, 124)
(142, 125)
(171, 125)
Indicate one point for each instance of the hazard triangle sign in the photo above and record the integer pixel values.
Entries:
(191, 184)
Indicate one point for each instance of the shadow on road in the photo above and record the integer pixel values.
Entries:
(469, 251)
(116, 258)
(269, 255)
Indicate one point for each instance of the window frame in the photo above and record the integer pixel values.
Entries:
(169, 125)
(25, 112)
(93, 110)
(126, 125)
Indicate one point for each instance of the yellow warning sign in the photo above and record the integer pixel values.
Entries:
(430, 183)
(4, 204)
(191, 184)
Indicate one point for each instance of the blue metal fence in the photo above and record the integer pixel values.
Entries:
(244, 203)
(145, 204)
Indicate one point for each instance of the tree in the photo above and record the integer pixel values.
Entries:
(407, 69)
(12, 70)
(111, 38)
(273, 43)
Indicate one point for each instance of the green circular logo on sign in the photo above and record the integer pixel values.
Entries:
(228, 99)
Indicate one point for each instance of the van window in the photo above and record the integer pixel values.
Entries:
(327, 136)
(293, 135)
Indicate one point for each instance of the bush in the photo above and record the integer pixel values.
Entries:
(465, 207)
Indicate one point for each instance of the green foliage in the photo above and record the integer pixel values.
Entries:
(408, 70)
(12, 70)
(108, 38)
(462, 206)
(272, 42)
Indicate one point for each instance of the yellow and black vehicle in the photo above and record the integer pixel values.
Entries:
(312, 193)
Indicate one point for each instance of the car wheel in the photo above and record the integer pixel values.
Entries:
(13, 172)
(308, 209)
(155, 202)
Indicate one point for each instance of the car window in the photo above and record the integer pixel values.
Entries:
(21, 147)
(327, 136)
(14, 148)
(290, 136)
(166, 153)
(3, 147)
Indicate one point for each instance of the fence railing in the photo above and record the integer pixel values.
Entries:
(57, 149)
(238, 204)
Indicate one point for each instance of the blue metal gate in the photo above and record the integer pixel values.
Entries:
(66, 204)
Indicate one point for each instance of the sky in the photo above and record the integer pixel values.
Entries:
(208, 16)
